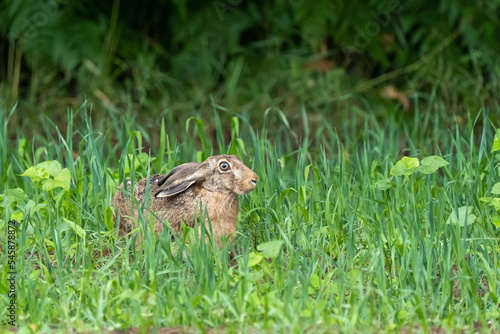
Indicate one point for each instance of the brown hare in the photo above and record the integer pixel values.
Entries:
(188, 191)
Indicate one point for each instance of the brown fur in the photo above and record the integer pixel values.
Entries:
(185, 193)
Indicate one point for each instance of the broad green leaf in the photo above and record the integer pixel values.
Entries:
(78, 229)
(35, 174)
(130, 294)
(496, 189)
(50, 167)
(49, 243)
(485, 200)
(17, 216)
(494, 202)
(141, 159)
(43, 170)
(254, 276)
(14, 195)
(315, 281)
(35, 274)
(405, 166)
(254, 259)
(63, 180)
(384, 184)
(32, 208)
(464, 214)
(496, 142)
(271, 248)
(431, 164)
(144, 159)
(402, 314)
(496, 220)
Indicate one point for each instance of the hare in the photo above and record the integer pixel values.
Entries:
(187, 192)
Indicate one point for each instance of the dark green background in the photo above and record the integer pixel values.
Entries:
(335, 58)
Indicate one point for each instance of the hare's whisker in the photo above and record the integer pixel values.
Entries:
(232, 200)
(224, 203)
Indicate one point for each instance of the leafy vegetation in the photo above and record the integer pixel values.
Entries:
(321, 245)
(373, 127)
(175, 57)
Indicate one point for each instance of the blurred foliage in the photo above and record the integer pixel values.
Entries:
(178, 55)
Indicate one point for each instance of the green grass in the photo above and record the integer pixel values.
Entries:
(352, 257)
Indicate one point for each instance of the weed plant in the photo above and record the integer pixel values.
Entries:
(338, 236)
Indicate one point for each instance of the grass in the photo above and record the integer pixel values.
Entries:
(321, 247)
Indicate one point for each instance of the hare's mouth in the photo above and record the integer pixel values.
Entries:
(247, 188)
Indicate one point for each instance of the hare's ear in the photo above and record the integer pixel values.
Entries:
(180, 178)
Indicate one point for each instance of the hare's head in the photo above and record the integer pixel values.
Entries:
(219, 173)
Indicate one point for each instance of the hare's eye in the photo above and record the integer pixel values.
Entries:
(224, 166)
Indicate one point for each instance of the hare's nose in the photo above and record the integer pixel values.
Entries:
(255, 179)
